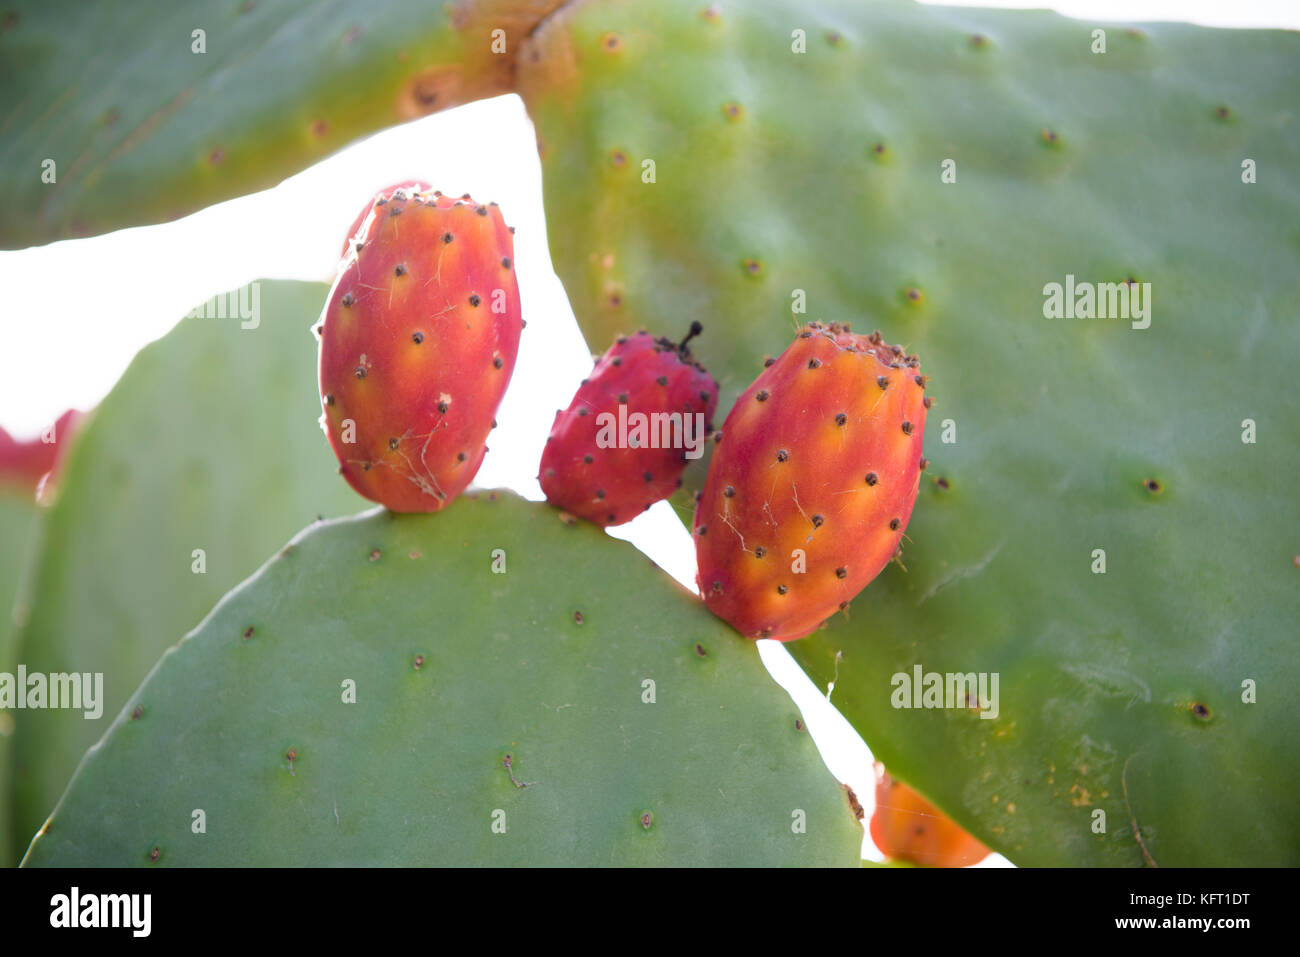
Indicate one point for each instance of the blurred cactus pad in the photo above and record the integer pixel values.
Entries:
(1108, 524)
(20, 529)
(179, 485)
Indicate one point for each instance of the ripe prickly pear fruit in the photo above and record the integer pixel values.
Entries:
(907, 827)
(418, 340)
(33, 465)
(634, 423)
(813, 482)
(407, 188)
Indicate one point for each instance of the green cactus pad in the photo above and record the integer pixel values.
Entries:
(143, 129)
(823, 172)
(209, 441)
(20, 526)
(454, 666)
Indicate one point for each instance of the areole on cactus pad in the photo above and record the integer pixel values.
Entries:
(417, 344)
(813, 482)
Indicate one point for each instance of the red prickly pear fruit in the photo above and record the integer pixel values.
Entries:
(907, 827)
(634, 423)
(418, 340)
(811, 488)
(407, 187)
(33, 465)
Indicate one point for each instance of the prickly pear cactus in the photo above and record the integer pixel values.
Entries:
(486, 686)
(1108, 521)
(114, 120)
(204, 458)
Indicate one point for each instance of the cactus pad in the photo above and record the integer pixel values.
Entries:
(356, 701)
(928, 172)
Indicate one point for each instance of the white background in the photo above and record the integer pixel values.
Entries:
(73, 314)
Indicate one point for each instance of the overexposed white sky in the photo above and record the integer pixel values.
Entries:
(74, 313)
